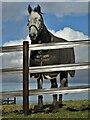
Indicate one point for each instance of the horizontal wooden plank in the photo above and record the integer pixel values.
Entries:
(50, 68)
(11, 48)
(32, 92)
(59, 45)
(11, 70)
(45, 46)
(62, 67)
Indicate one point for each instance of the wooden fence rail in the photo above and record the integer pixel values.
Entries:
(7, 100)
(18, 93)
(50, 68)
(46, 46)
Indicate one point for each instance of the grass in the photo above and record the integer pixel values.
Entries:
(70, 109)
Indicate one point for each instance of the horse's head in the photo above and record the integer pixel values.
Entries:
(35, 22)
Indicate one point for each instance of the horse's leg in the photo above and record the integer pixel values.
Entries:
(54, 85)
(40, 97)
(64, 83)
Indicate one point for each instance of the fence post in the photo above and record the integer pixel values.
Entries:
(25, 77)
(14, 100)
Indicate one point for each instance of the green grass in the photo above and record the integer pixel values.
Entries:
(70, 109)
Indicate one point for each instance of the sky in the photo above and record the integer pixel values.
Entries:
(66, 19)
(57, 17)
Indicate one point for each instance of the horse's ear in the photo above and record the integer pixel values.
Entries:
(29, 9)
(37, 9)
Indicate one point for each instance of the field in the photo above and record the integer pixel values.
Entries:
(70, 109)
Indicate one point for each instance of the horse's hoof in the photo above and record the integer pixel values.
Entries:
(55, 110)
(55, 107)
(60, 105)
(38, 109)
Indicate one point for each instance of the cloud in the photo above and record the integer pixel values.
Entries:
(16, 42)
(70, 34)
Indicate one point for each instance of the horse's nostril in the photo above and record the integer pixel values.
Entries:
(32, 36)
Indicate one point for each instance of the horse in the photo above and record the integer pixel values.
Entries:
(39, 34)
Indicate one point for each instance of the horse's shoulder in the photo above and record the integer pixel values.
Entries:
(57, 39)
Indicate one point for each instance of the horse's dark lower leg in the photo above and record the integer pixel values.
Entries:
(54, 85)
(40, 97)
(63, 83)
(64, 79)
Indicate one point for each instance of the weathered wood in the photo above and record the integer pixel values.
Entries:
(25, 77)
(50, 68)
(14, 48)
(74, 89)
(12, 70)
(60, 45)
(45, 46)
(62, 67)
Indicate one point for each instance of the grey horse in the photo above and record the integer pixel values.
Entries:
(39, 34)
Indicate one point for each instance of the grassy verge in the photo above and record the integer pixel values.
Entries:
(70, 109)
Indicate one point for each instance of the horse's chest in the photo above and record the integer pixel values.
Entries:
(42, 57)
(39, 58)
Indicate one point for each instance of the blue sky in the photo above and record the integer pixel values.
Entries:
(76, 22)
(15, 16)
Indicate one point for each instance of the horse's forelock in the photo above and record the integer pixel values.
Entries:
(38, 9)
(35, 14)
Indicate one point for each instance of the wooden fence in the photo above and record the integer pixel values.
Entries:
(26, 70)
(7, 100)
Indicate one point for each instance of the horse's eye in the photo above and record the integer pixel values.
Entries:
(39, 20)
(35, 18)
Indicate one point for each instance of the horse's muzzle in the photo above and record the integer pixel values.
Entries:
(32, 36)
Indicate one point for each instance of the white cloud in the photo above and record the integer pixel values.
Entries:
(70, 34)
(16, 42)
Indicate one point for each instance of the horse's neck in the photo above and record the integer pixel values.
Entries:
(44, 37)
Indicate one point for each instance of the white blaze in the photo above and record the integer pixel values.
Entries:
(34, 19)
